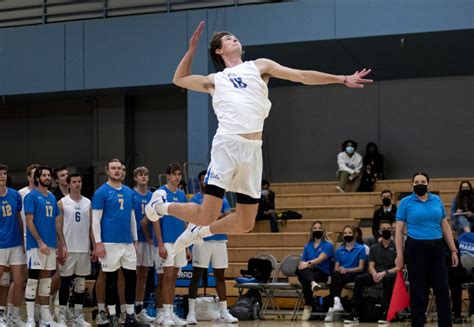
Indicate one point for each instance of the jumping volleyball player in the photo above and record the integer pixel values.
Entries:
(240, 100)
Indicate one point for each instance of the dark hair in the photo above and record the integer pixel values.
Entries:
(202, 173)
(30, 168)
(344, 144)
(3, 167)
(371, 144)
(216, 43)
(110, 161)
(56, 170)
(69, 176)
(265, 182)
(384, 222)
(172, 167)
(460, 199)
(39, 171)
(359, 236)
(420, 173)
(386, 191)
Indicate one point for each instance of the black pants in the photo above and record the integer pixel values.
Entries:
(457, 276)
(426, 264)
(338, 281)
(366, 280)
(306, 277)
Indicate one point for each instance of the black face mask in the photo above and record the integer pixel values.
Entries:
(386, 234)
(317, 234)
(466, 192)
(420, 189)
(348, 238)
(386, 202)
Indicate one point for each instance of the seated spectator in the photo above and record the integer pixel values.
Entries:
(466, 251)
(381, 270)
(462, 208)
(387, 212)
(457, 276)
(373, 168)
(350, 166)
(349, 263)
(266, 207)
(315, 266)
(360, 240)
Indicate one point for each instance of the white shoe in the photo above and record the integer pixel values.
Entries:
(329, 316)
(61, 317)
(383, 322)
(15, 322)
(70, 314)
(191, 319)
(226, 317)
(173, 320)
(143, 317)
(153, 208)
(159, 318)
(340, 190)
(315, 286)
(122, 318)
(189, 237)
(79, 321)
(30, 323)
(102, 319)
(50, 323)
(37, 315)
(306, 313)
(337, 305)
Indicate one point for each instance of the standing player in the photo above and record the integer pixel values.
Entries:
(171, 228)
(12, 247)
(213, 250)
(240, 101)
(141, 196)
(75, 223)
(60, 174)
(114, 229)
(41, 213)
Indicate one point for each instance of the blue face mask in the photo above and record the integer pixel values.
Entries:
(350, 149)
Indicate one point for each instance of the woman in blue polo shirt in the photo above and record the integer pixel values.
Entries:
(424, 215)
(315, 266)
(350, 261)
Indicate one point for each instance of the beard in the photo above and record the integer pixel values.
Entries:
(45, 183)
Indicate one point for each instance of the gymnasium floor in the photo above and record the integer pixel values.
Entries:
(271, 323)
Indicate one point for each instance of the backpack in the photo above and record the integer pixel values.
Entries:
(260, 269)
(247, 306)
(371, 307)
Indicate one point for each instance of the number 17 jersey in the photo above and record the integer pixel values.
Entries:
(76, 224)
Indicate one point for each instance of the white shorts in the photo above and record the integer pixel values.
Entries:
(214, 252)
(145, 255)
(236, 165)
(77, 263)
(12, 256)
(172, 260)
(38, 260)
(119, 255)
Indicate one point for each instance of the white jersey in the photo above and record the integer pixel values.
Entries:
(23, 193)
(76, 224)
(240, 99)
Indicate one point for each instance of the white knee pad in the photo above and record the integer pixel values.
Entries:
(5, 279)
(30, 290)
(79, 285)
(44, 286)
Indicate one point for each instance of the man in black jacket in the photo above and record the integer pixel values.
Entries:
(386, 212)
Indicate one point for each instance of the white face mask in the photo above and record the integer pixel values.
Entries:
(350, 149)
(265, 192)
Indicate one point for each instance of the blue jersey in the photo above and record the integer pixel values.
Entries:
(10, 206)
(139, 203)
(350, 258)
(172, 227)
(117, 205)
(311, 253)
(44, 210)
(197, 198)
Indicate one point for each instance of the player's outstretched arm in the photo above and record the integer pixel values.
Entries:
(311, 77)
(183, 77)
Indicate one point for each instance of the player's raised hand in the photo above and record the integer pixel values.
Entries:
(357, 79)
(194, 40)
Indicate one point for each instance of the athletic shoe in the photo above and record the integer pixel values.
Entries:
(383, 322)
(154, 208)
(159, 318)
(130, 321)
(70, 314)
(50, 323)
(30, 323)
(79, 321)
(3, 321)
(173, 320)
(227, 318)
(189, 237)
(306, 313)
(191, 319)
(15, 322)
(340, 190)
(37, 315)
(61, 317)
(122, 318)
(353, 321)
(144, 317)
(102, 319)
(329, 316)
(337, 305)
(114, 321)
(315, 286)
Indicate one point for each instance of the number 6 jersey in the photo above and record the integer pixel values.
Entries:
(76, 224)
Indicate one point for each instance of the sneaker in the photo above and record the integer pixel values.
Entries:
(159, 318)
(79, 321)
(102, 319)
(306, 313)
(383, 322)
(3, 321)
(130, 321)
(114, 321)
(30, 323)
(227, 318)
(337, 305)
(315, 286)
(70, 314)
(191, 319)
(340, 190)
(122, 318)
(15, 322)
(37, 315)
(50, 323)
(175, 321)
(61, 317)
(329, 316)
(189, 237)
(353, 321)
(155, 205)
(144, 317)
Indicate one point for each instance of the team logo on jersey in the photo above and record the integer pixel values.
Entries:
(213, 175)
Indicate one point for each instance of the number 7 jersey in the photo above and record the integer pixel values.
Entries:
(76, 224)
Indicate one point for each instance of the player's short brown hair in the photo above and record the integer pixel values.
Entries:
(110, 161)
(216, 43)
(172, 167)
(140, 170)
(30, 168)
(3, 167)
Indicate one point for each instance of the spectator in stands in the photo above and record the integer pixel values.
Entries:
(387, 212)
(350, 262)
(466, 249)
(315, 266)
(350, 166)
(381, 270)
(266, 207)
(373, 168)
(360, 240)
(462, 208)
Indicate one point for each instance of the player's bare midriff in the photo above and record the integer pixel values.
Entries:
(252, 136)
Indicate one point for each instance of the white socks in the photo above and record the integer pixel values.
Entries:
(192, 306)
(222, 307)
